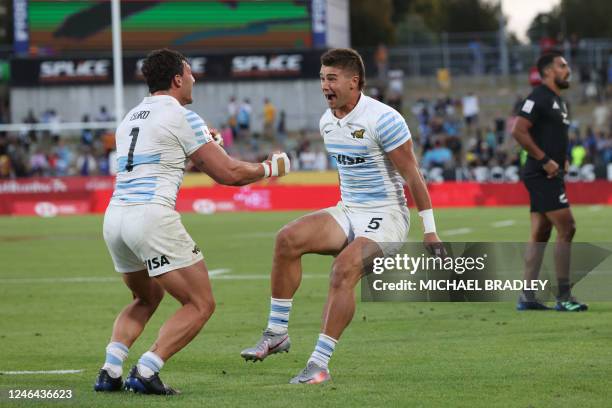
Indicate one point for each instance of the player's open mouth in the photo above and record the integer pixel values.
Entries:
(330, 97)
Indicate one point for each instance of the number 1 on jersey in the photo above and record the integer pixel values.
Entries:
(130, 160)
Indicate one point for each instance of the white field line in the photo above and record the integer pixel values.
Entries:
(458, 231)
(217, 272)
(41, 372)
(595, 208)
(503, 223)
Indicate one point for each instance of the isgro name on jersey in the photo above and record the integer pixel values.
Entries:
(140, 115)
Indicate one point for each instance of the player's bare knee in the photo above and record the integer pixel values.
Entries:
(542, 235)
(344, 274)
(205, 308)
(152, 298)
(287, 243)
(567, 232)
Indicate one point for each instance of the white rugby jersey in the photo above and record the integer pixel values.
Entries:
(154, 141)
(358, 143)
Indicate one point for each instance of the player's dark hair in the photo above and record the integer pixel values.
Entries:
(160, 67)
(546, 59)
(346, 59)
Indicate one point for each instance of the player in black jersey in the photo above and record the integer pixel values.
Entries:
(542, 129)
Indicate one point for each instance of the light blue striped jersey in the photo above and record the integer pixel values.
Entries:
(359, 143)
(154, 141)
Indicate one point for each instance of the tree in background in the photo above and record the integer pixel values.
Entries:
(417, 21)
(586, 19)
(371, 23)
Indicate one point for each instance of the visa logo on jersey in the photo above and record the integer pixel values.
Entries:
(348, 160)
(157, 262)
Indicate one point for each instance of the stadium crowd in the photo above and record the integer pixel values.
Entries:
(450, 133)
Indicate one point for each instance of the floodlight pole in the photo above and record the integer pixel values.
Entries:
(504, 68)
(117, 59)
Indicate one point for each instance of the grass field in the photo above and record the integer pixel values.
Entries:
(59, 296)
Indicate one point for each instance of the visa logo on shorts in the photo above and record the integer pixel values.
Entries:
(157, 262)
(348, 160)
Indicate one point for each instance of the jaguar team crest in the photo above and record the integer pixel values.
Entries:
(358, 134)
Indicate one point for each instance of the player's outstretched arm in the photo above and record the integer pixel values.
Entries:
(405, 162)
(520, 132)
(214, 161)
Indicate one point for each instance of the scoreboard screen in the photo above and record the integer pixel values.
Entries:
(57, 26)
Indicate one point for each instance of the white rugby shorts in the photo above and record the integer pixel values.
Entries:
(148, 236)
(381, 225)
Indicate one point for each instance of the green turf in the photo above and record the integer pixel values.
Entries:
(393, 354)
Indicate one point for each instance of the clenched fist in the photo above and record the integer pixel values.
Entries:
(277, 165)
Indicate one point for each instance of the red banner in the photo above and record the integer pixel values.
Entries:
(75, 195)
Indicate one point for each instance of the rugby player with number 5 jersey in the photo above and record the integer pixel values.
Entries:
(373, 149)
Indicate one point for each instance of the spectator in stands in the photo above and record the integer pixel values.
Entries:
(103, 164)
(232, 113)
(491, 139)
(281, 130)
(228, 137)
(500, 128)
(18, 156)
(5, 166)
(87, 135)
(605, 148)
(86, 162)
(381, 59)
(5, 161)
(39, 165)
(590, 143)
(308, 159)
(63, 157)
(269, 119)
(51, 118)
(578, 154)
(478, 67)
(439, 156)
(322, 160)
(471, 109)
(32, 120)
(243, 119)
(601, 116)
(103, 115)
(108, 141)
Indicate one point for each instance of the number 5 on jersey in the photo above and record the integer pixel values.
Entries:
(374, 224)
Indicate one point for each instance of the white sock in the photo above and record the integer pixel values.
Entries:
(323, 350)
(278, 322)
(149, 364)
(116, 353)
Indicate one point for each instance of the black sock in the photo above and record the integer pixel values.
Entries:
(529, 296)
(565, 290)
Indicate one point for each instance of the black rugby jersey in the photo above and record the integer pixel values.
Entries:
(550, 120)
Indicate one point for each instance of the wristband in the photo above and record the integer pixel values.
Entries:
(544, 160)
(267, 168)
(429, 224)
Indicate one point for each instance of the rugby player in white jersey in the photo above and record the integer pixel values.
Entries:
(373, 149)
(144, 233)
